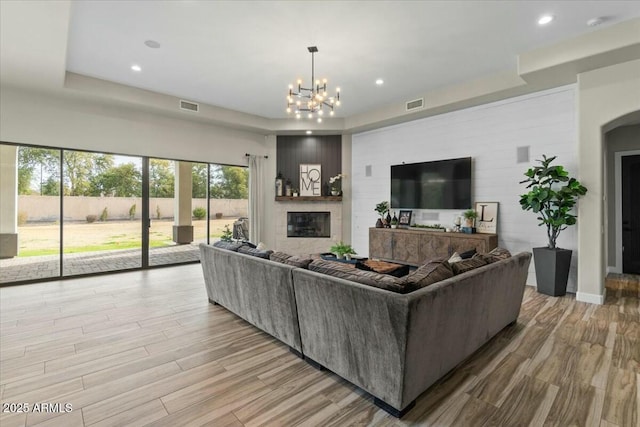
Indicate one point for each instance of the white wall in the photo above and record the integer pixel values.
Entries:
(544, 121)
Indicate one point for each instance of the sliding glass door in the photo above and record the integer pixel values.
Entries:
(102, 228)
(29, 213)
(71, 212)
(177, 205)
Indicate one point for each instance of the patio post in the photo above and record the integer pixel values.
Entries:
(182, 226)
(8, 201)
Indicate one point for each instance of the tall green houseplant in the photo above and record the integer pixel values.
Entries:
(552, 196)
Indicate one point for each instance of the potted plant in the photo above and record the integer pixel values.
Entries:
(470, 216)
(227, 234)
(382, 208)
(341, 250)
(552, 196)
(335, 183)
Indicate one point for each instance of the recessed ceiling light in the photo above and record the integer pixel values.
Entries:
(152, 44)
(379, 82)
(136, 68)
(309, 132)
(545, 19)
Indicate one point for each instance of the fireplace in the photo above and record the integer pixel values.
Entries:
(308, 224)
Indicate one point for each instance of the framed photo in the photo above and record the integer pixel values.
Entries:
(310, 180)
(404, 218)
(487, 220)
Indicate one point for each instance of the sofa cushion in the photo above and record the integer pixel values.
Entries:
(468, 264)
(279, 257)
(230, 246)
(427, 274)
(349, 272)
(298, 261)
(497, 254)
(254, 252)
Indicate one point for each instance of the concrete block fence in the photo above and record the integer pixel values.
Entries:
(76, 208)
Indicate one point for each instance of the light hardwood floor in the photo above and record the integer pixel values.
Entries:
(146, 348)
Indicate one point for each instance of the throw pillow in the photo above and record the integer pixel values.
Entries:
(230, 246)
(254, 252)
(468, 254)
(455, 258)
(497, 254)
(298, 261)
(467, 265)
(430, 273)
(279, 257)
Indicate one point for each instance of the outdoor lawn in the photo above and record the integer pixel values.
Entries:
(38, 239)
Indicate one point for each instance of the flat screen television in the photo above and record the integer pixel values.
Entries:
(443, 184)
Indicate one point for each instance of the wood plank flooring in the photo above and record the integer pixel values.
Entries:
(146, 348)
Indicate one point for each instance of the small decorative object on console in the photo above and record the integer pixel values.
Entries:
(382, 208)
(405, 218)
(394, 220)
(469, 219)
(487, 217)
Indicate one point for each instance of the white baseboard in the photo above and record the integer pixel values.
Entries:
(591, 298)
(614, 269)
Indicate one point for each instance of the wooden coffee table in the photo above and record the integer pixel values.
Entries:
(384, 267)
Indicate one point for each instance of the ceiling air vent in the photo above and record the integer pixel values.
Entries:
(416, 104)
(189, 106)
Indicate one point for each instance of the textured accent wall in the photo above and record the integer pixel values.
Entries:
(295, 150)
(490, 134)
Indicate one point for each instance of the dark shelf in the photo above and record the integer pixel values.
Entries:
(309, 199)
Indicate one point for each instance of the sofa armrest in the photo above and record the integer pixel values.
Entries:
(449, 320)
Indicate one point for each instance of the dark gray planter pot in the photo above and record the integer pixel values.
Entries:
(552, 270)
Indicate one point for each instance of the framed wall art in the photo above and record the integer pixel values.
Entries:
(310, 180)
(487, 220)
(404, 218)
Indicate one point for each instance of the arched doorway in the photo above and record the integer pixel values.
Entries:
(622, 206)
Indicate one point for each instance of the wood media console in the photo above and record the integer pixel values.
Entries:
(413, 246)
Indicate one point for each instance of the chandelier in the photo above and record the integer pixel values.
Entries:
(311, 101)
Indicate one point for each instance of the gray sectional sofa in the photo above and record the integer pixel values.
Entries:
(393, 345)
(258, 290)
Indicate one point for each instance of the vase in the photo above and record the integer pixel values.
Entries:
(379, 223)
(335, 193)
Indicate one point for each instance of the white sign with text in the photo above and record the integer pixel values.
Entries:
(310, 180)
